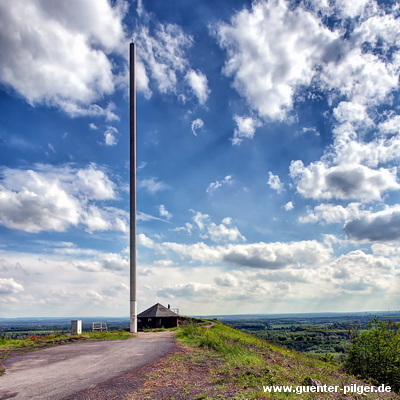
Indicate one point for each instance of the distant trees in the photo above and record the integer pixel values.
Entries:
(375, 353)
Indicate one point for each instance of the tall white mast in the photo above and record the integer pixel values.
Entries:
(132, 241)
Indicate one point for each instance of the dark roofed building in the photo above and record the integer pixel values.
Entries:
(157, 316)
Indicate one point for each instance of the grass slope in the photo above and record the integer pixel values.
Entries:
(220, 362)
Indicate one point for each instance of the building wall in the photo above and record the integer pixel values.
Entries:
(156, 323)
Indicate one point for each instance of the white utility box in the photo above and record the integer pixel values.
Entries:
(76, 326)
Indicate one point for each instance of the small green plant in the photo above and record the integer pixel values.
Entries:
(108, 335)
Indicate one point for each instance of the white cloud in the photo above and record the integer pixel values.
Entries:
(289, 206)
(152, 185)
(357, 271)
(213, 186)
(227, 221)
(94, 183)
(164, 212)
(351, 112)
(197, 124)
(331, 214)
(382, 226)
(105, 219)
(93, 126)
(351, 8)
(143, 240)
(390, 126)
(246, 127)
(348, 181)
(162, 59)
(275, 50)
(274, 182)
(192, 290)
(92, 110)
(226, 280)
(216, 233)
(109, 136)
(272, 49)
(141, 216)
(114, 262)
(58, 54)
(386, 250)
(198, 83)
(360, 76)
(55, 199)
(163, 53)
(187, 228)
(9, 286)
(52, 280)
(256, 255)
(221, 233)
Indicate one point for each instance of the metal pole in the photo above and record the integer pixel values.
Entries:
(132, 126)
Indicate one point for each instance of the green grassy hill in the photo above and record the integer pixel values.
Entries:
(220, 362)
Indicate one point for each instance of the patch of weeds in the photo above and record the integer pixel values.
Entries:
(108, 335)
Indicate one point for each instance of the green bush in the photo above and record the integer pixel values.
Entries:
(375, 354)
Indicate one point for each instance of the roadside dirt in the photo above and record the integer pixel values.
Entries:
(184, 373)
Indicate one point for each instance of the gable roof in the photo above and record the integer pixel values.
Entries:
(158, 310)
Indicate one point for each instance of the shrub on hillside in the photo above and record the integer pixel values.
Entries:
(375, 354)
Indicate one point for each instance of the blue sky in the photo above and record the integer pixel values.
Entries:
(268, 149)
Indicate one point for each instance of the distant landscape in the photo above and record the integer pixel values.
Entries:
(294, 349)
(325, 335)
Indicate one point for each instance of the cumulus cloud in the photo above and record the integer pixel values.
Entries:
(390, 126)
(347, 181)
(109, 136)
(276, 50)
(114, 262)
(274, 182)
(216, 233)
(359, 271)
(331, 214)
(164, 212)
(347, 111)
(351, 9)
(187, 228)
(105, 219)
(289, 206)
(226, 280)
(54, 199)
(271, 49)
(213, 186)
(64, 277)
(382, 226)
(143, 240)
(58, 55)
(93, 183)
(256, 255)
(246, 127)
(9, 286)
(198, 83)
(197, 124)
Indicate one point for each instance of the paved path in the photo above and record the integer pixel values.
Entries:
(59, 372)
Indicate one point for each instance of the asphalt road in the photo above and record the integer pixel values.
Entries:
(61, 371)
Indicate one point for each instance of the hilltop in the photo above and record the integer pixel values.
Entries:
(220, 362)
